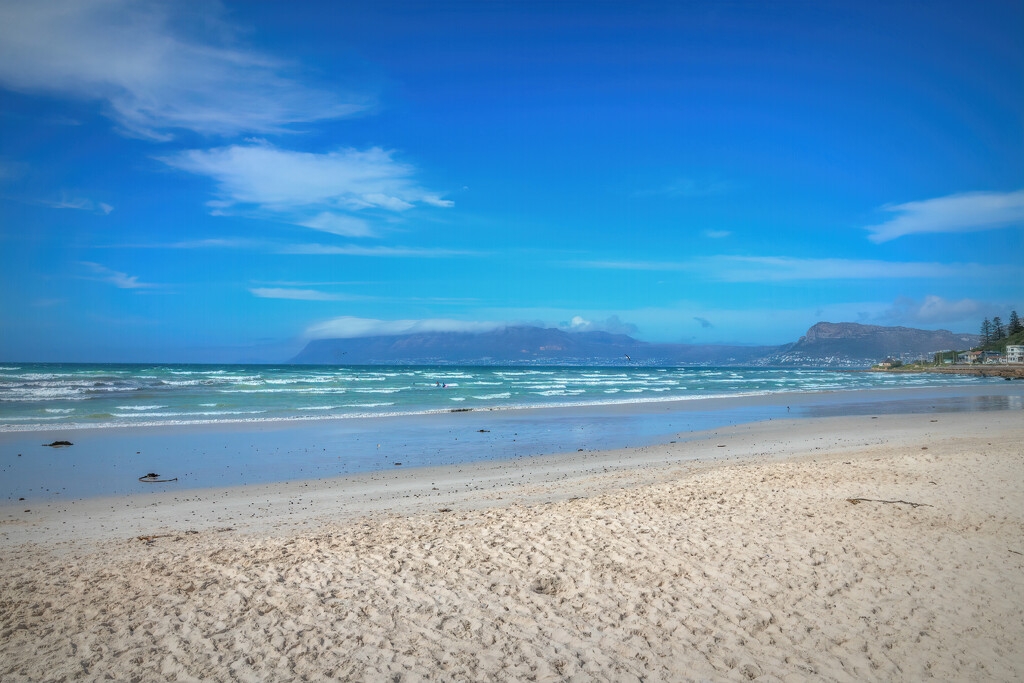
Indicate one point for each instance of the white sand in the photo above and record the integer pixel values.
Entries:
(624, 565)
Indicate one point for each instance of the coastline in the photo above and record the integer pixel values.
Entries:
(108, 461)
(734, 554)
(1006, 371)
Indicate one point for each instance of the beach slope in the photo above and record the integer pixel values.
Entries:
(842, 549)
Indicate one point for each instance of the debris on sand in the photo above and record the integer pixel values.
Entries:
(59, 444)
(154, 478)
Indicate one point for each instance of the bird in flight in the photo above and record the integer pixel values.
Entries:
(627, 356)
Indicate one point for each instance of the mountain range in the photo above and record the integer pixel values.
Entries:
(825, 344)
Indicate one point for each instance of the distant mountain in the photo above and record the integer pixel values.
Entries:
(520, 344)
(853, 343)
(837, 344)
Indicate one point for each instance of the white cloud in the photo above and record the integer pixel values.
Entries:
(348, 327)
(351, 250)
(716, 234)
(135, 58)
(301, 294)
(965, 212)
(116, 278)
(935, 309)
(612, 324)
(786, 268)
(319, 191)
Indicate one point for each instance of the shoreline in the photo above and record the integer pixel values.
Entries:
(733, 555)
(108, 462)
(307, 502)
(1005, 371)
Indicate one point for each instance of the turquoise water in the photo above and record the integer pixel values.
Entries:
(47, 395)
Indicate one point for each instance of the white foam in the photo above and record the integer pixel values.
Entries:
(140, 407)
(487, 397)
(198, 414)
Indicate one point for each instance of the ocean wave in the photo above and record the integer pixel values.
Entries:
(140, 407)
(144, 419)
(206, 413)
(487, 397)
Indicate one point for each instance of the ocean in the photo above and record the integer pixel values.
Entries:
(37, 396)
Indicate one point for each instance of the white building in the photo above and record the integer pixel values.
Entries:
(1015, 353)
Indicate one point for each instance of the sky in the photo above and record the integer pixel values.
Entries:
(202, 182)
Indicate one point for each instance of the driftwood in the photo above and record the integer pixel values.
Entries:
(150, 539)
(854, 501)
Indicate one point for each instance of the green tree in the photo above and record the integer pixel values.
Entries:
(998, 331)
(1015, 325)
(986, 332)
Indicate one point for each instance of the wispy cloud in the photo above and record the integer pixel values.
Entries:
(348, 226)
(635, 265)
(784, 268)
(79, 204)
(318, 191)
(137, 60)
(716, 234)
(687, 188)
(965, 212)
(781, 268)
(349, 327)
(120, 280)
(353, 250)
(316, 283)
(936, 309)
(704, 322)
(303, 294)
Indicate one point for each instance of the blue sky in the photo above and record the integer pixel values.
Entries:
(193, 182)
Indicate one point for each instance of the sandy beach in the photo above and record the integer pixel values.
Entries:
(735, 554)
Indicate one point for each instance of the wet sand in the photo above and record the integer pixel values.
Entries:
(732, 555)
(109, 461)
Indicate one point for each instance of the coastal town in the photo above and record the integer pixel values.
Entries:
(1000, 353)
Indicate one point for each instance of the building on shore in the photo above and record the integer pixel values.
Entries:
(1015, 353)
